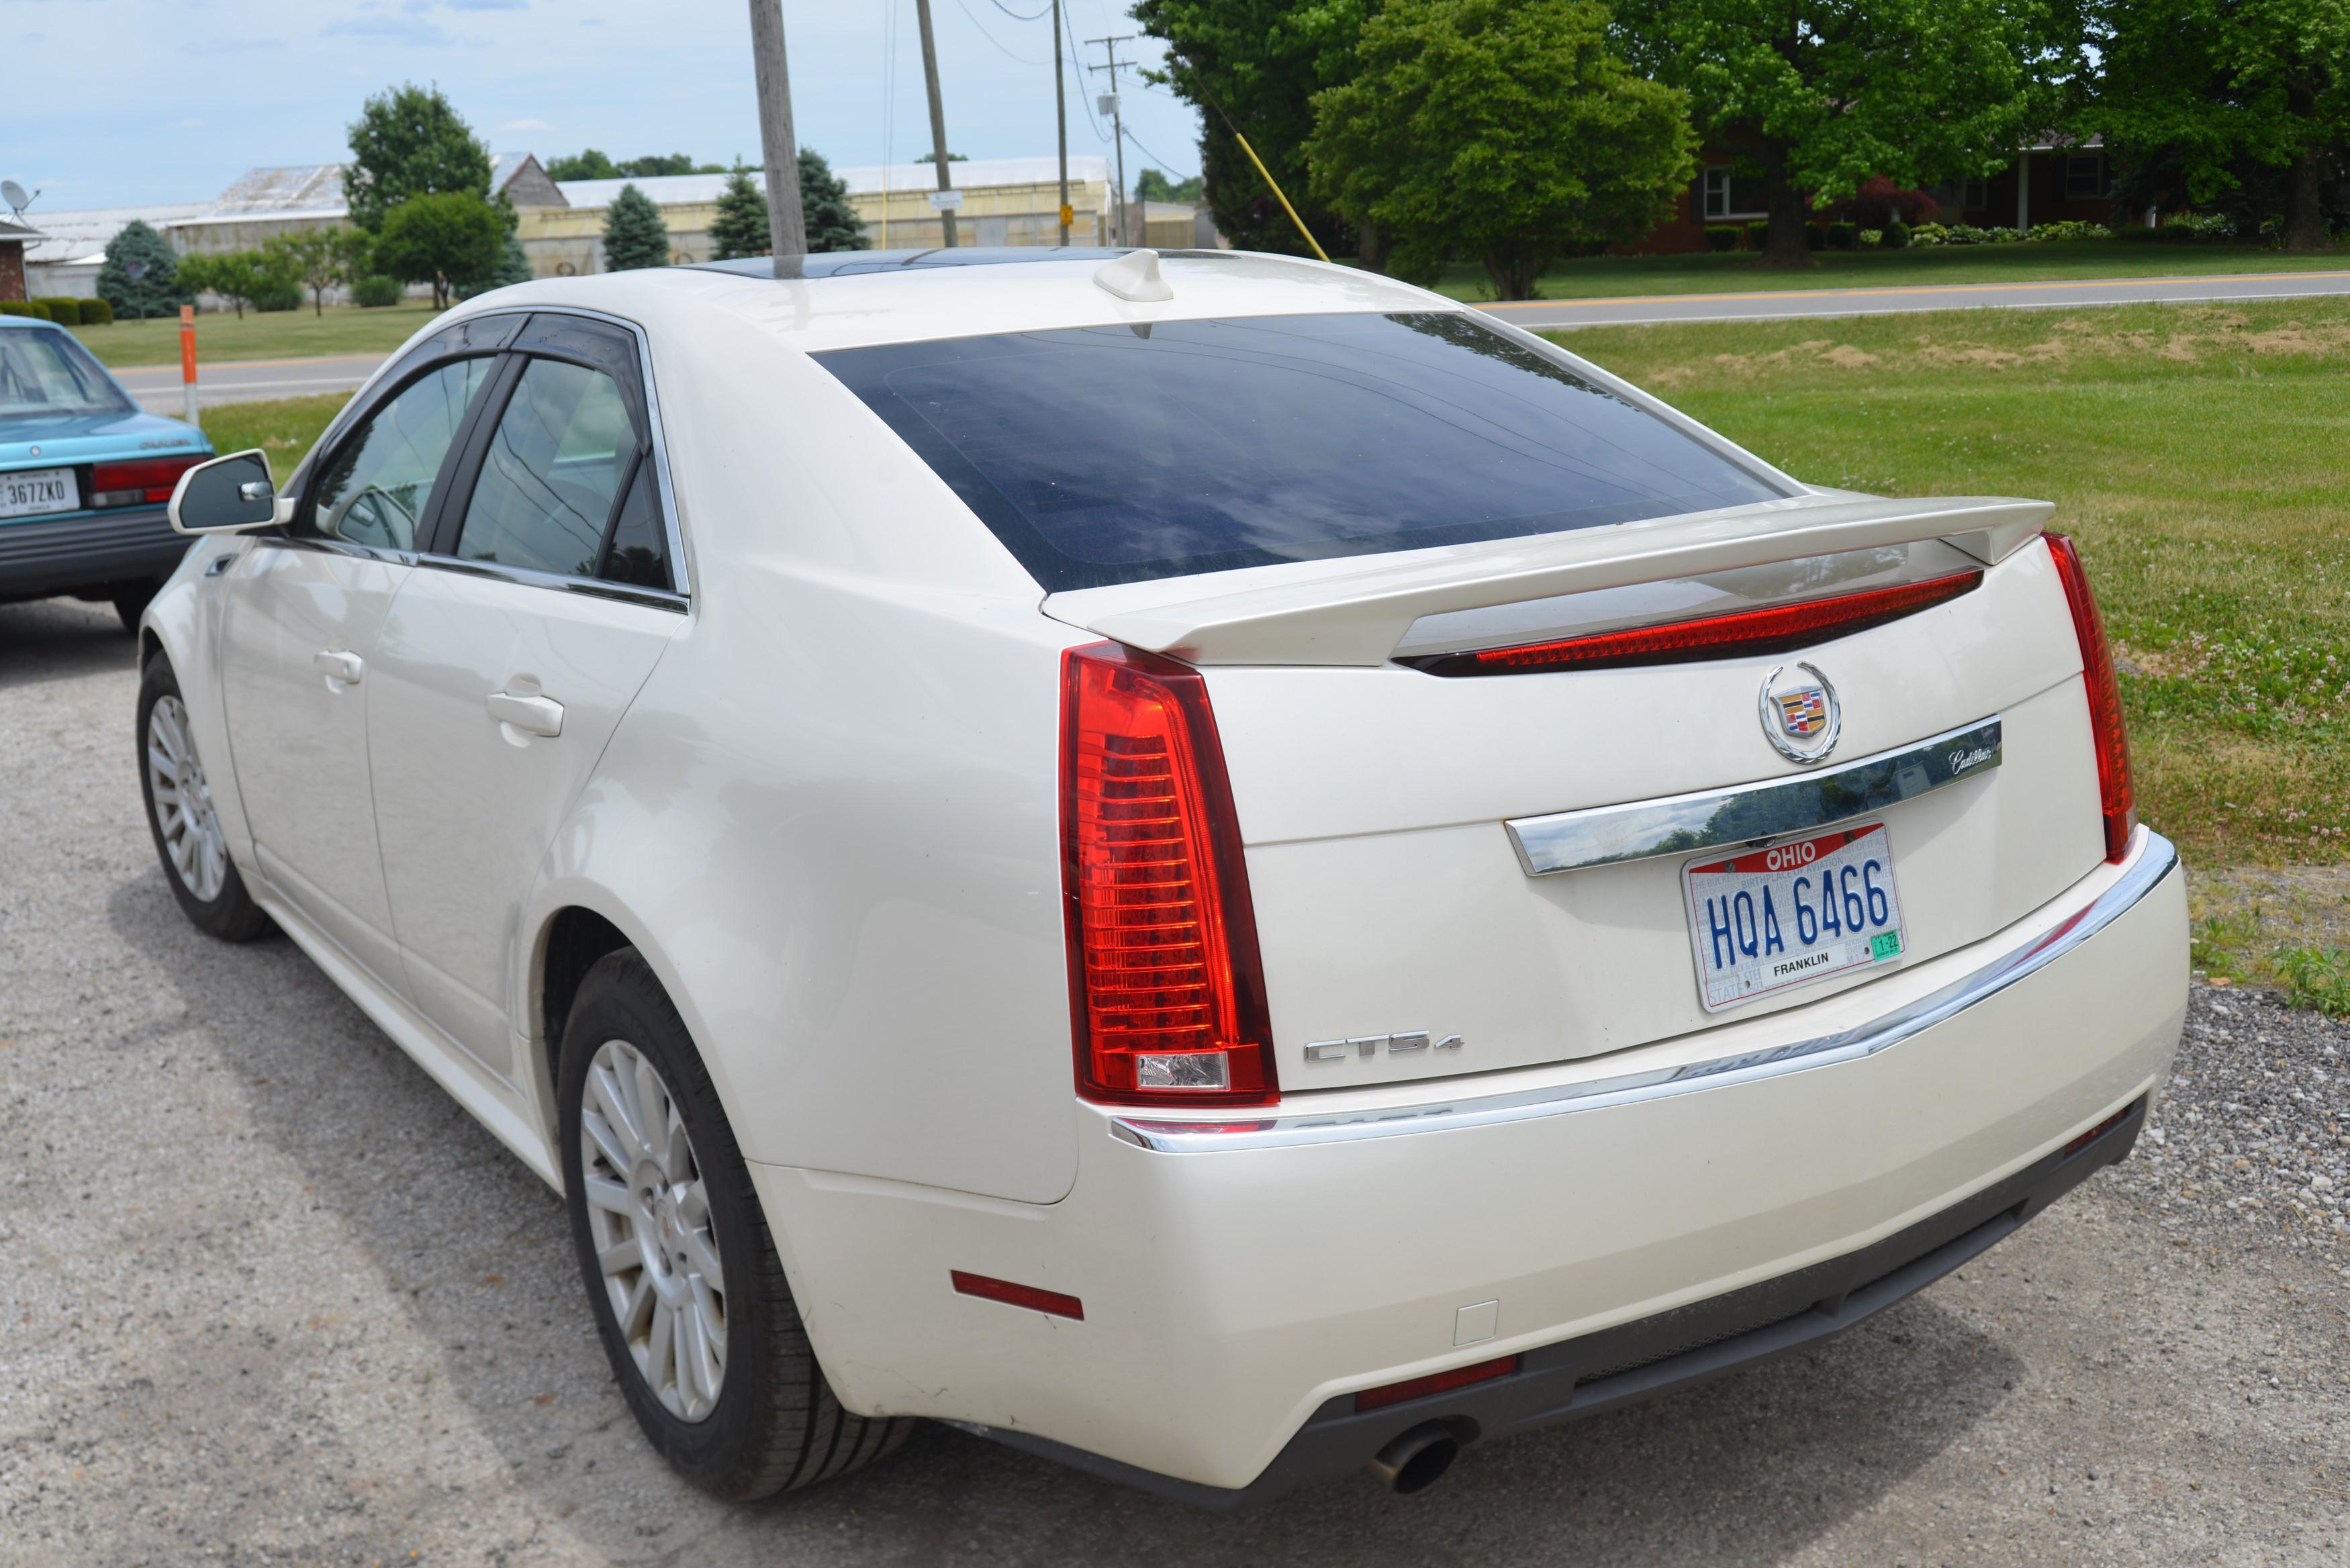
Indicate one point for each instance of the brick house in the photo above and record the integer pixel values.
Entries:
(2050, 182)
(14, 235)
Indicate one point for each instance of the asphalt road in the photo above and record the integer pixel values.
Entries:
(159, 389)
(267, 1295)
(1557, 314)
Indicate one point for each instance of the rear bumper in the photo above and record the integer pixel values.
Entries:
(1242, 1283)
(87, 551)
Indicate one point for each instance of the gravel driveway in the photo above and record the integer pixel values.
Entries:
(267, 1296)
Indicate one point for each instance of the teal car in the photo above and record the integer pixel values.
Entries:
(85, 475)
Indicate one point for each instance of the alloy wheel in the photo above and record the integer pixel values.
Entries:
(649, 1216)
(185, 816)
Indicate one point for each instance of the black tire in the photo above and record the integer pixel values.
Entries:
(776, 1425)
(130, 602)
(230, 914)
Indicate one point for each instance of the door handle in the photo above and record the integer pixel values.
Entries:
(532, 715)
(337, 665)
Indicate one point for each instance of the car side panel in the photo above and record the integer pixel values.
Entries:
(184, 617)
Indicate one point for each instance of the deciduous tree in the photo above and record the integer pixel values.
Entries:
(447, 239)
(319, 259)
(2218, 84)
(1830, 92)
(1258, 62)
(408, 141)
(1508, 129)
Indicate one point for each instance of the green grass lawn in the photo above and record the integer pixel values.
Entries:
(284, 427)
(1601, 277)
(279, 335)
(2201, 455)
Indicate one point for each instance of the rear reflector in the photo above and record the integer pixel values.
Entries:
(2101, 1129)
(1010, 1294)
(2106, 732)
(1435, 1383)
(1166, 989)
(1773, 628)
(148, 479)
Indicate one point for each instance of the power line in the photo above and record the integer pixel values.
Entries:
(1020, 15)
(1078, 60)
(992, 38)
(1161, 162)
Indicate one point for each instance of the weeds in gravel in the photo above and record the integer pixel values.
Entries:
(2317, 978)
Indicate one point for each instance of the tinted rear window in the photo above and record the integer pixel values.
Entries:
(1117, 454)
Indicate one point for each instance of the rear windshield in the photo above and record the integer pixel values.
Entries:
(48, 373)
(1117, 454)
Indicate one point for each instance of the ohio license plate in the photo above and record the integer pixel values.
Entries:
(1775, 918)
(32, 490)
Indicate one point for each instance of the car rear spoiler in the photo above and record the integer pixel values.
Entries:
(1355, 612)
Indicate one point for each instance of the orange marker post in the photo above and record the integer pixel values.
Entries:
(188, 358)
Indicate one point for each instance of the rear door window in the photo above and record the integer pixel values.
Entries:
(1116, 454)
(553, 476)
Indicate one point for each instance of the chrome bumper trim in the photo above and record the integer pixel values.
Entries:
(1743, 813)
(2153, 859)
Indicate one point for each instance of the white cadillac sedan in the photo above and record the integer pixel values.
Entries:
(1213, 867)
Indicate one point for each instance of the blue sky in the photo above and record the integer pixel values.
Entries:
(121, 102)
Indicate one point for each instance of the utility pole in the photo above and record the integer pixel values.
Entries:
(786, 224)
(1061, 113)
(1118, 127)
(946, 201)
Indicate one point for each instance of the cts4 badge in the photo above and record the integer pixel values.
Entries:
(1368, 1045)
(1801, 716)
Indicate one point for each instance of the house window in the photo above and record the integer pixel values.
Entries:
(2085, 175)
(1729, 194)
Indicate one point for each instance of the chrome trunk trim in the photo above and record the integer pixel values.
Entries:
(1748, 814)
(2153, 859)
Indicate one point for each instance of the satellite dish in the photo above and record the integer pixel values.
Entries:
(14, 194)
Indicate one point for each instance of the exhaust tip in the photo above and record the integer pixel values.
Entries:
(1415, 1460)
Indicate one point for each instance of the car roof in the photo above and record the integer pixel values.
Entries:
(863, 298)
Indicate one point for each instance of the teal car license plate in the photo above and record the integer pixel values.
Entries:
(1794, 914)
(34, 490)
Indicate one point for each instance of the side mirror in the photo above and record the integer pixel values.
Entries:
(227, 495)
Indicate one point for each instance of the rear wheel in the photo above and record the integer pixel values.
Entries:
(181, 817)
(682, 1273)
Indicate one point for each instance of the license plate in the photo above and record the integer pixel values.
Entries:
(32, 490)
(1775, 918)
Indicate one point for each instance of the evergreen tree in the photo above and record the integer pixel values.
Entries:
(832, 223)
(141, 275)
(739, 229)
(408, 142)
(634, 234)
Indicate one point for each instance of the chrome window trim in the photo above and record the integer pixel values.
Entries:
(2152, 861)
(531, 577)
(1751, 814)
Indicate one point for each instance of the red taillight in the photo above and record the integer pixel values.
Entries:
(1034, 1297)
(2106, 732)
(153, 478)
(1166, 991)
(1773, 628)
(1435, 1383)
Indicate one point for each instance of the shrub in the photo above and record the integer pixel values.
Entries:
(1900, 235)
(64, 308)
(97, 313)
(1813, 238)
(1722, 236)
(2071, 229)
(1880, 203)
(278, 292)
(375, 291)
(1871, 238)
(1844, 237)
(1758, 234)
(16, 307)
